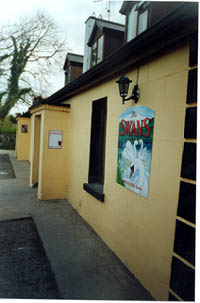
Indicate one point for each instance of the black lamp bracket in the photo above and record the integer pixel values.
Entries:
(135, 95)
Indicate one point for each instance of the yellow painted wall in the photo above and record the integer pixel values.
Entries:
(23, 139)
(47, 164)
(140, 231)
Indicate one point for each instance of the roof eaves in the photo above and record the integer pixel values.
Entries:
(126, 7)
(43, 102)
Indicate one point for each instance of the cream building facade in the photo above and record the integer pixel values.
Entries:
(145, 233)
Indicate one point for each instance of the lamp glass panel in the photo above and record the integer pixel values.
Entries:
(123, 89)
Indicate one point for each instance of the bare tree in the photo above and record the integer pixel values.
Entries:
(31, 49)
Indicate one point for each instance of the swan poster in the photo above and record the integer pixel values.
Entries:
(134, 149)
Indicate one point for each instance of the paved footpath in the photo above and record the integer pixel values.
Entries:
(84, 267)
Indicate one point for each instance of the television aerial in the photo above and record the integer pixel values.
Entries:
(107, 8)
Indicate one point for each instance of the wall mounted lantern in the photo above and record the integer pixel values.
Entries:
(123, 83)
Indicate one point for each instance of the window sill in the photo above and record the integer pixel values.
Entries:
(95, 189)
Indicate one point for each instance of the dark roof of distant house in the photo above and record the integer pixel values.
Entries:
(109, 24)
(71, 57)
(24, 115)
(177, 26)
(126, 6)
(103, 20)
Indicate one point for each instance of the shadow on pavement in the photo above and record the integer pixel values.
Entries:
(25, 269)
(6, 169)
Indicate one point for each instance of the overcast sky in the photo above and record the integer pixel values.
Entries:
(70, 15)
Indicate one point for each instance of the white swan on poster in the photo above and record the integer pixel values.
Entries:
(129, 153)
(140, 180)
(133, 161)
(143, 150)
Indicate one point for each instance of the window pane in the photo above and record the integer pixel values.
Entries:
(97, 141)
(94, 46)
(93, 57)
(67, 74)
(100, 49)
(132, 24)
(142, 21)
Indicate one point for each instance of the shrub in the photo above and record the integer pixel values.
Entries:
(7, 127)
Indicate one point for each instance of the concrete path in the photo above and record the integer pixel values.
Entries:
(84, 267)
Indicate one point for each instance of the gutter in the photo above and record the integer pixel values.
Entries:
(178, 25)
(46, 102)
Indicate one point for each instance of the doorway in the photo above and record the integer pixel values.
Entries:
(36, 151)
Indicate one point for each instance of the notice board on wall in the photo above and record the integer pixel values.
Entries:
(24, 128)
(135, 148)
(55, 139)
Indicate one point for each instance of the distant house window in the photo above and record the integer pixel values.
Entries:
(132, 24)
(68, 74)
(142, 20)
(100, 49)
(94, 54)
(97, 150)
(97, 51)
(137, 19)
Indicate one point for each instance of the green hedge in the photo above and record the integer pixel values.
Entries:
(7, 134)
(7, 141)
(6, 127)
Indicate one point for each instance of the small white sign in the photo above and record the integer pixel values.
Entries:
(55, 139)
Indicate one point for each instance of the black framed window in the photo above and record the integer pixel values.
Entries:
(97, 149)
(97, 141)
